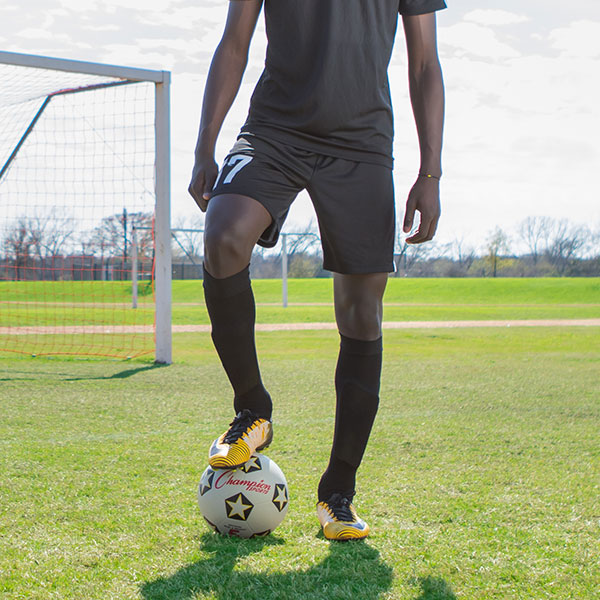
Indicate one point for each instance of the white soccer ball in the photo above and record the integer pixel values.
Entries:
(249, 501)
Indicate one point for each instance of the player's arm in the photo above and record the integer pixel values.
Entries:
(427, 98)
(222, 85)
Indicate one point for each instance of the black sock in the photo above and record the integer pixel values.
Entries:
(357, 380)
(232, 312)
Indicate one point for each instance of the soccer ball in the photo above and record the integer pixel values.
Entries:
(249, 501)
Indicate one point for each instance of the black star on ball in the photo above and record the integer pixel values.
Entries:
(238, 507)
(207, 482)
(251, 465)
(280, 497)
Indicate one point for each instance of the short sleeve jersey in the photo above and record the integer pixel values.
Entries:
(325, 83)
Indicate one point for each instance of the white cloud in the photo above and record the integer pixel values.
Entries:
(494, 17)
(469, 38)
(115, 5)
(79, 5)
(125, 54)
(580, 38)
(108, 27)
(192, 17)
(35, 34)
(148, 5)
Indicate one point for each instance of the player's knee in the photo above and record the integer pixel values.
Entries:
(225, 250)
(360, 318)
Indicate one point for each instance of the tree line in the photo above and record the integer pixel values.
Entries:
(539, 246)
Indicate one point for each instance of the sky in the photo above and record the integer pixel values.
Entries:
(522, 82)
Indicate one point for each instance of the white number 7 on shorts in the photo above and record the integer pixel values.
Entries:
(238, 162)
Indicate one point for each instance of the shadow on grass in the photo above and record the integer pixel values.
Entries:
(122, 374)
(35, 374)
(433, 588)
(351, 570)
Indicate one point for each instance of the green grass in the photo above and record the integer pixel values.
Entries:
(406, 290)
(406, 300)
(481, 480)
(197, 315)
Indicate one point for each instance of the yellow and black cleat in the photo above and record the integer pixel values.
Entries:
(246, 435)
(339, 520)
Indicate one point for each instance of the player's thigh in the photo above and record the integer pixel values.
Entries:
(356, 210)
(364, 288)
(262, 172)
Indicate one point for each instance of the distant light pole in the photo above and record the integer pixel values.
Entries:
(134, 269)
(124, 233)
(284, 269)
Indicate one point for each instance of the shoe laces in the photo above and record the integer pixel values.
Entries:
(340, 507)
(239, 426)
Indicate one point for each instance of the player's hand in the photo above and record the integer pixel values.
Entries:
(203, 180)
(424, 197)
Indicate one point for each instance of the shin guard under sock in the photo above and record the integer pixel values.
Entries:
(357, 380)
(232, 312)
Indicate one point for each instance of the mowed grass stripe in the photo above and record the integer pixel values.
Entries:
(197, 315)
(399, 290)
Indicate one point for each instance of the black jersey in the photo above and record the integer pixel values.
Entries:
(325, 85)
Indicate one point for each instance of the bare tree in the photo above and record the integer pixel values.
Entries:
(303, 246)
(409, 255)
(190, 241)
(464, 253)
(303, 239)
(566, 240)
(20, 244)
(535, 233)
(112, 236)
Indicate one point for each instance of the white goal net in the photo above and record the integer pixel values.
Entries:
(84, 209)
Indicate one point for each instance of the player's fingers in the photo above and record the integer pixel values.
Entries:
(209, 184)
(433, 227)
(195, 189)
(409, 216)
(422, 235)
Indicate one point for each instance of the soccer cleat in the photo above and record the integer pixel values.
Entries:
(246, 435)
(339, 519)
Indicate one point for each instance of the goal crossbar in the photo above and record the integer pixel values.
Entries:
(87, 68)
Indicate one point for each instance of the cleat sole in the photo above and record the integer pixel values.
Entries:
(347, 534)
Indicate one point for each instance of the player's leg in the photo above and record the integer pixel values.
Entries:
(233, 225)
(358, 308)
(355, 205)
(258, 182)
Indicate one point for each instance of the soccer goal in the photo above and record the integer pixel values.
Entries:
(85, 238)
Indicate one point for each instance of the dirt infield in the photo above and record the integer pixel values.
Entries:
(74, 329)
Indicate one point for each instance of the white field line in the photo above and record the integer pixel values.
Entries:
(123, 329)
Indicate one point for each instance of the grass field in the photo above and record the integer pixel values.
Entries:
(406, 300)
(481, 481)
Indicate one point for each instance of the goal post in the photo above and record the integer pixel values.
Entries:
(84, 158)
(163, 223)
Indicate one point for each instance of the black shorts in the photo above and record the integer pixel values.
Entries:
(354, 201)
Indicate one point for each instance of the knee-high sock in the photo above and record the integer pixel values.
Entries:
(232, 312)
(357, 380)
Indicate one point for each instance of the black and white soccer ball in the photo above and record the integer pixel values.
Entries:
(249, 501)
